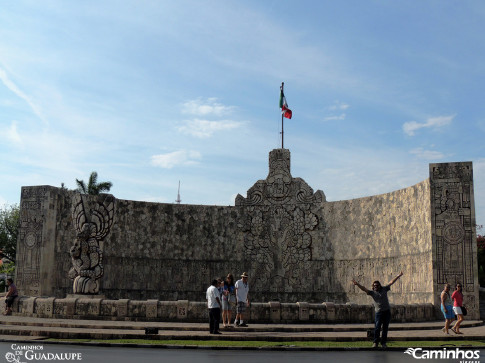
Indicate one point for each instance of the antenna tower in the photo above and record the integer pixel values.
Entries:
(178, 200)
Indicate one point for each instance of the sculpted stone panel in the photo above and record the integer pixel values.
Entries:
(92, 222)
(280, 220)
(30, 238)
(453, 219)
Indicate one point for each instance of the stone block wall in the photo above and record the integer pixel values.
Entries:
(196, 311)
(294, 244)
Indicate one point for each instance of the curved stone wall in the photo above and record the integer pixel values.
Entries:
(374, 238)
(296, 246)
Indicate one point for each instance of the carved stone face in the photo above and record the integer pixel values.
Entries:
(85, 233)
(75, 250)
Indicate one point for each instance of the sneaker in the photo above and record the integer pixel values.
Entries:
(244, 325)
(236, 323)
(384, 345)
(217, 332)
(374, 345)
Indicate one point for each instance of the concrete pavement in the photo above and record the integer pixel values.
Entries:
(28, 328)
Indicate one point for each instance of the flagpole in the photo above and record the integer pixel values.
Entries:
(282, 131)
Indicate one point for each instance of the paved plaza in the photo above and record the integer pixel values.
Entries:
(28, 328)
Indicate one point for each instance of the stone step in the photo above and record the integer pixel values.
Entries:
(41, 328)
(37, 332)
(9, 321)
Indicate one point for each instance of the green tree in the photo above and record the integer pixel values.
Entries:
(9, 227)
(93, 187)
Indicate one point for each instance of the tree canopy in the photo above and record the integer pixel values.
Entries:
(9, 226)
(93, 187)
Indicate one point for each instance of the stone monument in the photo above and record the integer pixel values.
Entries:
(297, 247)
(281, 218)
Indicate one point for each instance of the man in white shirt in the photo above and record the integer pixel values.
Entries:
(214, 304)
(242, 300)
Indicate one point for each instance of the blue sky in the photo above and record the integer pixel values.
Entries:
(148, 93)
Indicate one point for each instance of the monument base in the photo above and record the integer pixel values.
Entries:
(78, 306)
(85, 296)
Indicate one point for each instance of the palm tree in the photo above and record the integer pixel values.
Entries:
(93, 187)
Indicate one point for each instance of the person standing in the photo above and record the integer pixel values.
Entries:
(214, 305)
(10, 296)
(220, 288)
(228, 298)
(242, 300)
(457, 298)
(382, 309)
(447, 308)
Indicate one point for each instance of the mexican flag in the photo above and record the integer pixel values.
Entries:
(285, 111)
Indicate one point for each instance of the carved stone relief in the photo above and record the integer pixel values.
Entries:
(280, 221)
(31, 225)
(92, 222)
(452, 188)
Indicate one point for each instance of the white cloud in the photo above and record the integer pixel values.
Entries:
(339, 106)
(204, 128)
(207, 107)
(181, 157)
(12, 134)
(435, 122)
(427, 154)
(13, 87)
(48, 150)
(335, 118)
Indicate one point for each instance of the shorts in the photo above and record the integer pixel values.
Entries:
(225, 305)
(457, 310)
(449, 312)
(241, 307)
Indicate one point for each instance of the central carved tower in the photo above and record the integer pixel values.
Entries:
(281, 219)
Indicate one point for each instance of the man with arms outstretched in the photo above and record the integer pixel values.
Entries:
(382, 308)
